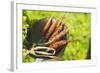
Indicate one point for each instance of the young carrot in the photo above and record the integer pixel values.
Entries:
(51, 29)
(47, 25)
(57, 31)
(58, 36)
(60, 21)
(58, 44)
(58, 28)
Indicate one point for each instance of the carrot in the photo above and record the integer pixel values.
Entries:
(57, 37)
(57, 31)
(60, 21)
(58, 28)
(51, 29)
(58, 44)
(47, 25)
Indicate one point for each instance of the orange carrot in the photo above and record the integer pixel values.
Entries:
(57, 37)
(58, 44)
(57, 31)
(58, 28)
(51, 29)
(60, 21)
(47, 25)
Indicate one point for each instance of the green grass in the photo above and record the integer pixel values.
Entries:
(79, 25)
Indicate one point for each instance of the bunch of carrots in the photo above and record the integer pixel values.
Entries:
(54, 32)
